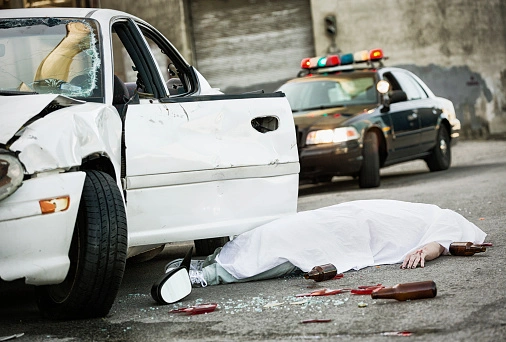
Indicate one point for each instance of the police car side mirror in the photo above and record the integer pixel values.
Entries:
(383, 87)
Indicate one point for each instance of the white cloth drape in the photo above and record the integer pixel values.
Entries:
(351, 235)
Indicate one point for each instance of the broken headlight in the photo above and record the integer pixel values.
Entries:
(11, 174)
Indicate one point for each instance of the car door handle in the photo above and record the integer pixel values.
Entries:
(412, 117)
(265, 124)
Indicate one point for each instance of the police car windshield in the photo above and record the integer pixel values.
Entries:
(312, 94)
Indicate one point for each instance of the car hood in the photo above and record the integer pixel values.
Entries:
(15, 111)
(329, 117)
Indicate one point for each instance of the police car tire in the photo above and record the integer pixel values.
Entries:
(441, 155)
(369, 176)
(97, 255)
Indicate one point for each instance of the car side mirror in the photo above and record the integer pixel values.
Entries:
(383, 87)
(172, 286)
(397, 96)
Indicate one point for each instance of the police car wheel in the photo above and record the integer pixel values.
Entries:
(369, 176)
(441, 156)
(97, 255)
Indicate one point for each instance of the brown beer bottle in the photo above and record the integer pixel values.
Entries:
(322, 272)
(407, 291)
(465, 248)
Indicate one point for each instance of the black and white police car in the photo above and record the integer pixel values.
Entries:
(354, 116)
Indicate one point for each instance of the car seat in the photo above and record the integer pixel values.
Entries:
(84, 82)
(120, 95)
(175, 86)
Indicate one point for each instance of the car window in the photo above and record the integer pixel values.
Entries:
(131, 67)
(331, 92)
(51, 56)
(174, 78)
(137, 71)
(410, 86)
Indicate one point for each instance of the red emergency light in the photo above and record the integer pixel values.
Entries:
(375, 54)
(306, 63)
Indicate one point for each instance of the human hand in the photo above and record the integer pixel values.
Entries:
(413, 259)
(428, 252)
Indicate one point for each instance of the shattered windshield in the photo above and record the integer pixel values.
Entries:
(50, 56)
(331, 92)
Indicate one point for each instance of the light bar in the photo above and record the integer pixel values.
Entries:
(333, 61)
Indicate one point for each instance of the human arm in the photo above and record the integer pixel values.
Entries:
(428, 252)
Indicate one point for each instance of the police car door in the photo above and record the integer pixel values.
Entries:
(429, 111)
(404, 121)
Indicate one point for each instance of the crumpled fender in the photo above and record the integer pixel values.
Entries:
(15, 111)
(61, 139)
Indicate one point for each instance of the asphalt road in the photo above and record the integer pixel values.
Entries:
(470, 304)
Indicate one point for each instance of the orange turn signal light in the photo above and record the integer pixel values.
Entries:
(54, 205)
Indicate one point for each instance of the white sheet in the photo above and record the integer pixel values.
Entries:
(350, 235)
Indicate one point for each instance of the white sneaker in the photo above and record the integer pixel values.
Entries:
(197, 277)
(195, 264)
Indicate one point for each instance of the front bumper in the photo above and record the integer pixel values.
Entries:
(455, 131)
(35, 246)
(342, 159)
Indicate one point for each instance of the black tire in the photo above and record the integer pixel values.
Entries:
(207, 247)
(369, 175)
(441, 156)
(97, 255)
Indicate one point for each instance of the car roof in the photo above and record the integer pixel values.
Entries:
(62, 12)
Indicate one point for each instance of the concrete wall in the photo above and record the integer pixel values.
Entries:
(458, 47)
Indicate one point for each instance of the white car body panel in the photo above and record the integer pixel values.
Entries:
(35, 246)
(220, 208)
(204, 148)
(16, 111)
(205, 135)
(82, 130)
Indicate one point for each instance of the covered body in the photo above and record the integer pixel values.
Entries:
(350, 235)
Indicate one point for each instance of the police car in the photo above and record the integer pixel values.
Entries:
(354, 116)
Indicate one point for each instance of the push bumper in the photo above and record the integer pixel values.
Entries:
(33, 245)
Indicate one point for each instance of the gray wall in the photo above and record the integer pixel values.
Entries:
(458, 47)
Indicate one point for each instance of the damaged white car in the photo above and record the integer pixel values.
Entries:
(111, 144)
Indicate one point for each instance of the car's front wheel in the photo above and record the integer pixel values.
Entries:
(441, 156)
(369, 175)
(97, 255)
